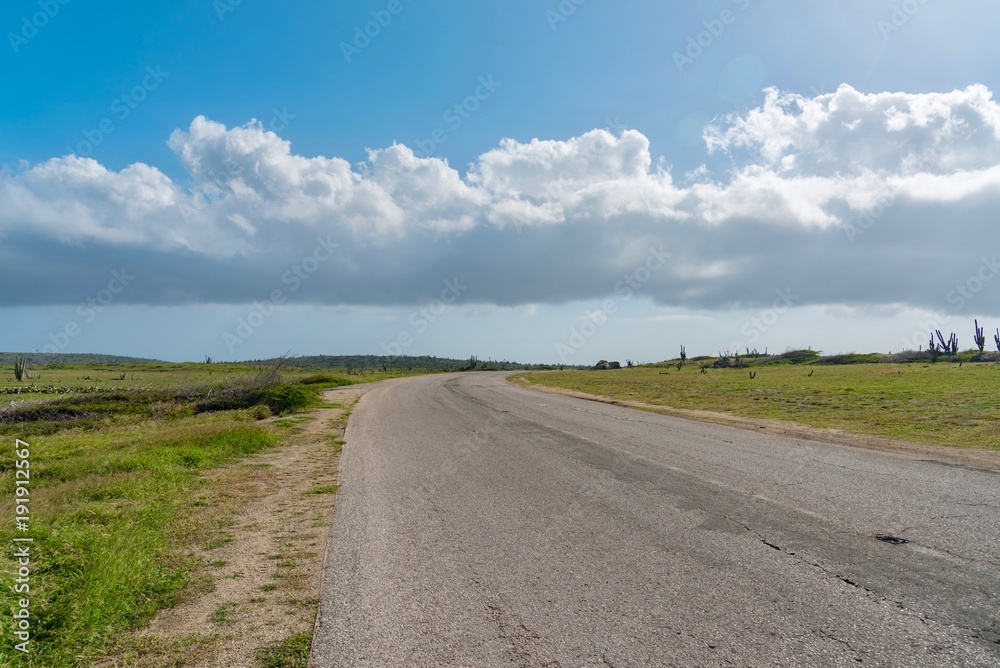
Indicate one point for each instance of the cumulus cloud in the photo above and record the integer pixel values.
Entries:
(844, 198)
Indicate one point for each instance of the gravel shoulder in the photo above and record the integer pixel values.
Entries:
(259, 578)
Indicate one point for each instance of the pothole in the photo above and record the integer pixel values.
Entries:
(890, 539)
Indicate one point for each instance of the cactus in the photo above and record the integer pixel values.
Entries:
(997, 339)
(949, 347)
(932, 350)
(980, 338)
(19, 364)
(684, 354)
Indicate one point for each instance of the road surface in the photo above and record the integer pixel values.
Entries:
(482, 524)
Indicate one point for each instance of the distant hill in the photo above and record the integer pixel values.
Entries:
(47, 359)
(385, 362)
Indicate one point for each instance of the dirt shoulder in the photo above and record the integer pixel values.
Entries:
(985, 459)
(258, 583)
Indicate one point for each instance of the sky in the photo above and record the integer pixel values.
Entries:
(555, 181)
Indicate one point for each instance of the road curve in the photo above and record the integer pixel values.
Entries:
(482, 524)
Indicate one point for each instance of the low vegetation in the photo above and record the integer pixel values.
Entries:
(113, 476)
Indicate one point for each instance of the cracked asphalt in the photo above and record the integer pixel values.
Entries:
(482, 524)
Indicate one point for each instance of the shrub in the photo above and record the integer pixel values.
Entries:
(851, 358)
(791, 357)
(260, 412)
(328, 381)
(286, 398)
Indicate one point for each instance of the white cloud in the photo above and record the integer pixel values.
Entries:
(550, 221)
(848, 132)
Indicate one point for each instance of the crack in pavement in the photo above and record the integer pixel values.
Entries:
(514, 632)
(989, 635)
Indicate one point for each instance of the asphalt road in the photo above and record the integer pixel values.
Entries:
(481, 524)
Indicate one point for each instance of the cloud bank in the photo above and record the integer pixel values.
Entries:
(844, 198)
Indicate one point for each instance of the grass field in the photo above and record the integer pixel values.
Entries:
(58, 379)
(941, 403)
(114, 476)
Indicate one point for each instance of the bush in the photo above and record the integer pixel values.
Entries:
(286, 398)
(260, 412)
(240, 393)
(328, 381)
(791, 357)
(851, 358)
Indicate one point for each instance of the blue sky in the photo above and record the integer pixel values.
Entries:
(210, 148)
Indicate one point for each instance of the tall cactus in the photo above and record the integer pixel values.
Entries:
(997, 339)
(19, 364)
(980, 338)
(949, 347)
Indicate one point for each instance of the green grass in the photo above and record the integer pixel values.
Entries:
(222, 615)
(120, 495)
(940, 403)
(292, 652)
(57, 379)
(109, 515)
